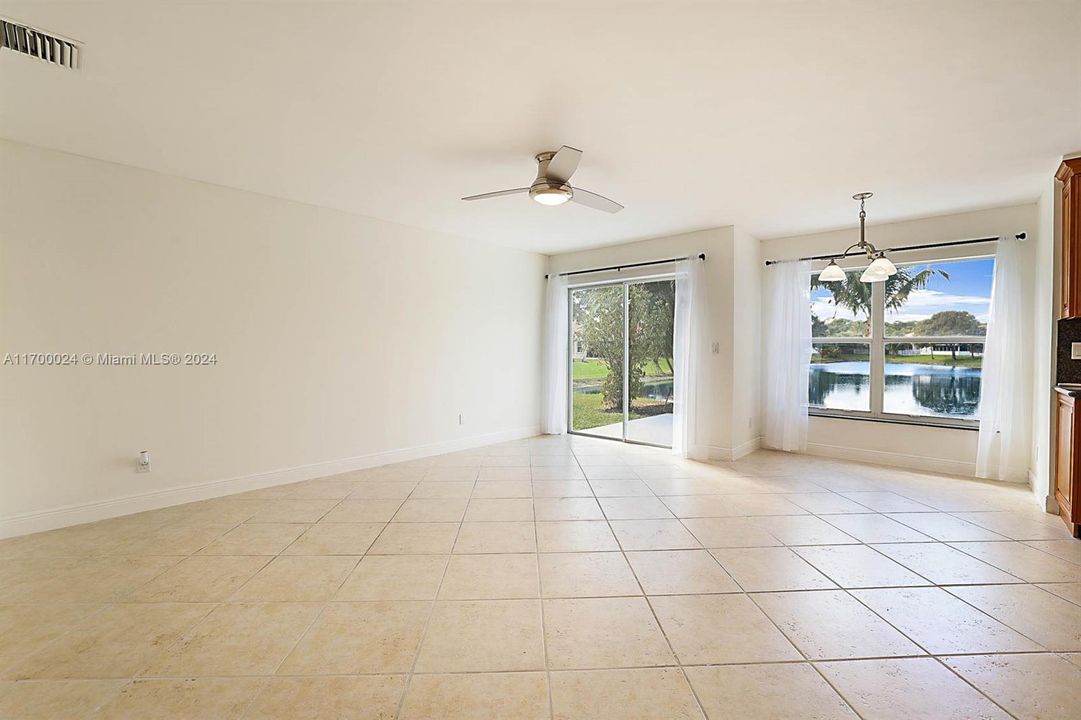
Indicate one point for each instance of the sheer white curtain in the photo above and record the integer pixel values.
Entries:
(554, 410)
(688, 349)
(788, 354)
(1002, 450)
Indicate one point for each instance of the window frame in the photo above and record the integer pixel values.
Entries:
(877, 342)
(625, 283)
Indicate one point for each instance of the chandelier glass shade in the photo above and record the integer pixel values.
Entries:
(832, 273)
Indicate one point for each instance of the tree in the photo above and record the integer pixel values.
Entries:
(899, 328)
(652, 314)
(950, 322)
(901, 284)
(598, 315)
(843, 327)
(947, 394)
(855, 295)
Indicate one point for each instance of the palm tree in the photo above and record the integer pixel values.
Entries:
(856, 296)
(900, 285)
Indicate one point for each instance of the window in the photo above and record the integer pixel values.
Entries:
(910, 348)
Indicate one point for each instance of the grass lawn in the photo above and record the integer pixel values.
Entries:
(597, 370)
(941, 358)
(588, 412)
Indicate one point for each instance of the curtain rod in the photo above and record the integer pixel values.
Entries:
(700, 256)
(1019, 236)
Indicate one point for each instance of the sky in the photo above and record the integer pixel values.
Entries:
(969, 288)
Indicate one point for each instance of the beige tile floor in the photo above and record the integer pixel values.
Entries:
(555, 578)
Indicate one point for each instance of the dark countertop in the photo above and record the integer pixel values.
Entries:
(1069, 389)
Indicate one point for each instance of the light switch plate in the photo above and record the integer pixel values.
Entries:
(1075, 351)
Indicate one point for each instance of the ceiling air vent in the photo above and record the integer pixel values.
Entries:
(39, 44)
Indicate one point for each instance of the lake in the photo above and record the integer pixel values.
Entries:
(911, 389)
(652, 389)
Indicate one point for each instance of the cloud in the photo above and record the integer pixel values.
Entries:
(826, 310)
(937, 298)
(921, 305)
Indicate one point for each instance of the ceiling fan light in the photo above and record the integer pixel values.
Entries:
(832, 273)
(551, 194)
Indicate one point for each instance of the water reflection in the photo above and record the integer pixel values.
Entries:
(656, 390)
(840, 386)
(911, 389)
(652, 389)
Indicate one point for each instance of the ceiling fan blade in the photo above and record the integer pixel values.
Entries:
(595, 201)
(497, 193)
(563, 164)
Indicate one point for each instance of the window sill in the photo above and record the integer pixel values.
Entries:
(973, 426)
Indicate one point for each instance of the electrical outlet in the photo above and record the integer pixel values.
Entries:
(716, 348)
(1075, 351)
(142, 463)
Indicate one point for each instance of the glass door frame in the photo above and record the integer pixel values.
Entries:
(626, 352)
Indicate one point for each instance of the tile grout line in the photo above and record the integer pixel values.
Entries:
(300, 636)
(886, 515)
(944, 587)
(431, 610)
(760, 663)
(806, 658)
(913, 640)
(857, 599)
(540, 599)
(282, 551)
(652, 611)
(926, 651)
(106, 605)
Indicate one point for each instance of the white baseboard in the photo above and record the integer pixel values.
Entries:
(1046, 502)
(746, 448)
(716, 452)
(726, 454)
(905, 460)
(42, 520)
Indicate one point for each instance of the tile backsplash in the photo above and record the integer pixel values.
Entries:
(1067, 370)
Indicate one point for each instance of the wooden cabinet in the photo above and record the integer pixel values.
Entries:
(1068, 440)
(1068, 462)
(1069, 173)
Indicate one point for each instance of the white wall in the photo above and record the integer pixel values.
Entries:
(746, 291)
(939, 449)
(1045, 243)
(342, 341)
(729, 404)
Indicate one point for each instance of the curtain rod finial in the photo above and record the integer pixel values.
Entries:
(1021, 236)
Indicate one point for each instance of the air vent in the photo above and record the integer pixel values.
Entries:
(39, 44)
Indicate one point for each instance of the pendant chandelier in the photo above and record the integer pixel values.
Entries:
(880, 267)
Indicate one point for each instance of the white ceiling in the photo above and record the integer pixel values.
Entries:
(766, 115)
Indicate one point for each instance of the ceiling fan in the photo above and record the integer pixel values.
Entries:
(552, 186)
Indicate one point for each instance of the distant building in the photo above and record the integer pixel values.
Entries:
(579, 347)
(973, 349)
(912, 351)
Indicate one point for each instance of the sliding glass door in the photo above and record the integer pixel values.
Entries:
(651, 310)
(621, 363)
(597, 326)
